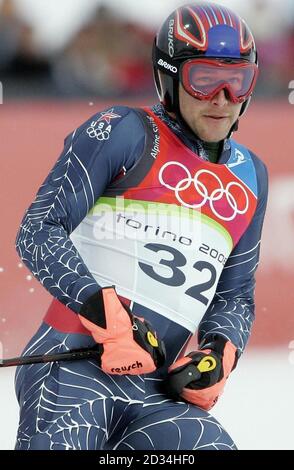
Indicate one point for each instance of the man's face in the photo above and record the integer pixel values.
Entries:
(211, 120)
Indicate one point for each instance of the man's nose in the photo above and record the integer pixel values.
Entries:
(220, 98)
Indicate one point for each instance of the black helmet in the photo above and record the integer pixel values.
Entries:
(200, 31)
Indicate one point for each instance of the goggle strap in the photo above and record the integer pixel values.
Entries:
(165, 63)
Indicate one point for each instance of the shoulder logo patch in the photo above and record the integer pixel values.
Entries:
(101, 128)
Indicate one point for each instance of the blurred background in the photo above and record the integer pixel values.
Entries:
(64, 60)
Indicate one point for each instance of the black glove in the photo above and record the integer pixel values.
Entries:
(200, 377)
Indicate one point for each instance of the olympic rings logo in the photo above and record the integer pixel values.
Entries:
(98, 132)
(202, 191)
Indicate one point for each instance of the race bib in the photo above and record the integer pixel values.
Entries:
(168, 258)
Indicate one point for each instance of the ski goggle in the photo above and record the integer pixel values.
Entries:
(204, 78)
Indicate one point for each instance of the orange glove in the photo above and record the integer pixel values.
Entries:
(129, 345)
(199, 378)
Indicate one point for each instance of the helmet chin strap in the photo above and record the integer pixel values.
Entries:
(234, 128)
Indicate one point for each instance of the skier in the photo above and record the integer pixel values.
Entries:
(146, 231)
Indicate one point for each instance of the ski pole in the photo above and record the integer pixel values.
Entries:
(74, 355)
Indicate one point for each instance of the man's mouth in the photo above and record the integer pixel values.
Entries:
(211, 116)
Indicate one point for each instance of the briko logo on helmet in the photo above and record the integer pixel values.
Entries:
(167, 66)
(170, 38)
